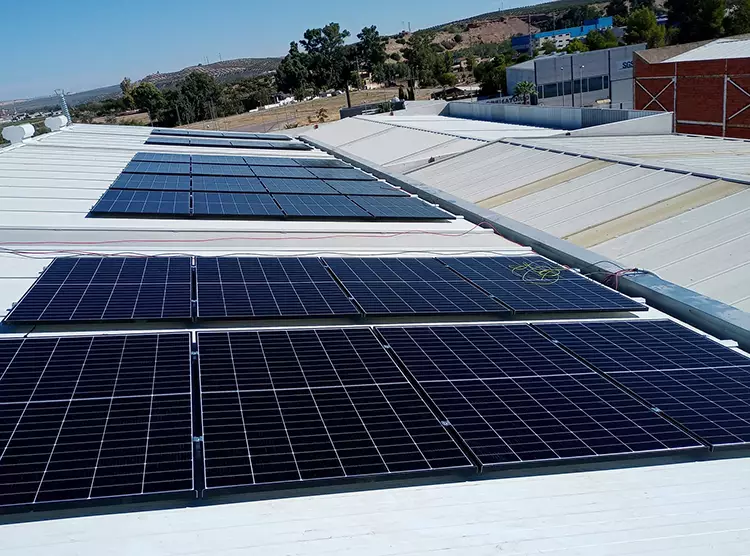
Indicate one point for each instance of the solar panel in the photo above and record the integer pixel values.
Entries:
(88, 417)
(322, 163)
(273, 137)
(291, 146)
(165, 182)
(281, 172)
(536, 285)
(513, 396)
(404, 208)
(218, 159)
(409, 286)
(169, 131)
(270, 161)
(227, 184)
(230, 287)
(299, 186)
(157, 168)
(341, 174)
(159, 140)
(320, 206)
(235, 204)
(253, 144)
(221, 170)
(210, 142)
(299, 406)
(698, 382)
(101, 288)
(354, 187)
(128, 202)
(161, 157)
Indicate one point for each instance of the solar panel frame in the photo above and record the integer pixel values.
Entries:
(163, 182)
(128, 202)
(322, 163)
(355, 187)
(161, 157)
(299, 186)
(270, 161)
(221, 170)
(217, 159)
(242, 205)
(281, 172)
(92, 427)
(171, 131)
(162, 140)
(320, 206)
(351, 174)
(400, 208)
(227, 184)
(134, 167)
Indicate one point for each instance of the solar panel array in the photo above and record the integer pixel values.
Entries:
(165, 184)
(218, 134)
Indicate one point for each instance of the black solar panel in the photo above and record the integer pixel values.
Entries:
(270, 161)
(281, 172)
(169, 131)
(536, 285)
(409, 286)
(354, 187)
(157, 168)
(698, 382)
(320, 206)
(160, 140)
(299, 406)
(322, 163)
(129, 202)
(218, 159)
(210, 142)
(235, 204)
(116, 288)
(221, 170)
(403, 208)
(271, 136)
(230, 287)
(298, 186)
(152, 182)
(226, 184)
(87, 417)
(161, 157)
(341, 174)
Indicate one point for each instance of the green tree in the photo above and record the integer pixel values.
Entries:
(458, 38)
(636, 4)
(447, 79)
(697, 20)
(293, 75)
(328, 64)
(600, 40)
(548, 47)
(201, 93)
(525, 89)
(576, 45)
(420, 56)
(370, 49)
(618, 8)
(126, 86)
(738, 20)
(147, 97)
(491, 76)
(395, 56)
(471, 62)
(642, 27)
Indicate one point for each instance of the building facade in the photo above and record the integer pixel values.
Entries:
(560, 37)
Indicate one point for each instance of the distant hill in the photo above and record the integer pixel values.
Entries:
(39, 103)
(222, 71)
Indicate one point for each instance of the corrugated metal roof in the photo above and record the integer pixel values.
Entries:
(717, 50)
(689, 509)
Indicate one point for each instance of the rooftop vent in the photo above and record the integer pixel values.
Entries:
(56, 123)
(17, 133)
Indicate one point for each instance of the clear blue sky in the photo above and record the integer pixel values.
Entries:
(95, 43)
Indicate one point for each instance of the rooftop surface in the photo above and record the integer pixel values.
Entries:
(731, 47)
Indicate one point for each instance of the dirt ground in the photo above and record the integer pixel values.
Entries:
(300, 113)
(141, 118)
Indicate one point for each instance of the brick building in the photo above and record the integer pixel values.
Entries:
(706, 85)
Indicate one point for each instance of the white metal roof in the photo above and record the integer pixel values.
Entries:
(689, 509)
(718, 50)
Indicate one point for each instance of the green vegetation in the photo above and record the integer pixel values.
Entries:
(697, 20)
(525, 89)
(738, 20)
(491, 76)
(642, 27)
(601, 40)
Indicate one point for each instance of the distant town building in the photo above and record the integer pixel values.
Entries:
(560, 37)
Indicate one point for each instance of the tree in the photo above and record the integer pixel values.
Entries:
(126, 86)
(618, 8)
(471, 61)
(370, 49)
(576, 45)
(524, 89)
(548, 47)
(601, 40)
(738, 20)
(458, 38)
(395, 56)
(420, 56)
(293, 75)
(635, 4)
(201, 95)
(327, 61)
(642, 27)
(447, 80)
(697, 20)
(491, 76)
(147, 97)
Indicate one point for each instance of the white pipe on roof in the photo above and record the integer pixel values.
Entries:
(17, 133)
(55, 123)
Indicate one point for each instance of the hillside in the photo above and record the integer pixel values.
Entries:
(221, 71)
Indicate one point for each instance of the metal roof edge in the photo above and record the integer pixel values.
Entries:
(712, 316)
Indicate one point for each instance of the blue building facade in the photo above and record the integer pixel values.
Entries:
(560, 37)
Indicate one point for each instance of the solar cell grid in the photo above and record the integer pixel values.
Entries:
(221, 170)
(353, 187)
(128, 201)
(161, 157)
(232, 287)
(93, 417)
(320, 206)
(270, 161)
(117, 288)
(341, 174)
(134, 167)
(281, 172)
(161, 140)
(227, 184)
(209, 142)
(406, 208)
(298, 186)
(235, 204)
(152, 182)
(217, 159)
(322, 163)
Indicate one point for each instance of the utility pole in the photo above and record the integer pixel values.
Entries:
(562, 82)
(580, 87)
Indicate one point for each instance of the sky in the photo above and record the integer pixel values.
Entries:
(95, 43)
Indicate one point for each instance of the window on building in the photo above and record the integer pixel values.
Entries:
(595, 83)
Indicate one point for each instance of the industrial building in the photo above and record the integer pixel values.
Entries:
(559, 37)
(365, 423)
(581, 79)
(706, 85)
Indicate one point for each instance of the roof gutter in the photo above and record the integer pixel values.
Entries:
(711, 316)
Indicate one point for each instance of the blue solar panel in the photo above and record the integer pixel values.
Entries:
(157, 168)
(252, 144)
(218, 159)
(536, 285)
(698, 382)
(227, 184)
(408, 286)
(273, 137)
(355, 187)
(230, 287)
(299, 186)
(116, 288)
(341, 174)
(161, 157)
(281, 172)
(165, 182)
(270, 161)
(235, 204)
(291, 406)
(130, 202)
(403, 208)
(322, 163)
(320, 206)
(90, 417)
(221, 170)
